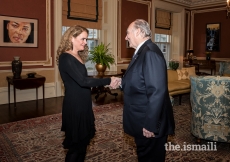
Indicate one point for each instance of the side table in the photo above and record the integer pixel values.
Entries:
(25, 83)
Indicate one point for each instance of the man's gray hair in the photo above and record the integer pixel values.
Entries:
(143, 26)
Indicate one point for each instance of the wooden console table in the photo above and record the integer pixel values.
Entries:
(25, 83)
(204, 64)
(101, 89)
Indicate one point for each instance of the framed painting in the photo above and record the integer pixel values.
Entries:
(18, 32)
(213, 37)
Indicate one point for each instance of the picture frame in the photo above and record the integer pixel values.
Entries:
(213, 37)
(18, 32)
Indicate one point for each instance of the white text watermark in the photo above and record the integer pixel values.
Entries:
(209, 146)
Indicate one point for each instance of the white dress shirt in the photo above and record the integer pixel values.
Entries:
(139, 47)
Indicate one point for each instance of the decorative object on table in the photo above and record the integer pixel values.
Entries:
(213, 37)
(173, 64)
(208, 55)
(190, 55)
(102, 57)
(16, 67)
(31, 75)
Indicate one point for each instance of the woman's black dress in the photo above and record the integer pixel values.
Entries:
(77, 114)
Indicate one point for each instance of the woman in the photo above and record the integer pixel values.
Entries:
(18, 32)
(77, 114)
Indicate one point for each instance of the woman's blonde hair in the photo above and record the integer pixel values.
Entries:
(66, 44)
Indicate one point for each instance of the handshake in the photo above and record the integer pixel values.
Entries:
(115, 82)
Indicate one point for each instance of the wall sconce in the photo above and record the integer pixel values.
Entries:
(228, 8)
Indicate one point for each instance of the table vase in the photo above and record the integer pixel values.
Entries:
(16, 67)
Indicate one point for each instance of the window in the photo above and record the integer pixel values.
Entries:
(92, 41)
(163, 42)
(64, 28)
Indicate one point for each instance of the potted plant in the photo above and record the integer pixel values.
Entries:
(173, 64)
(101, 56)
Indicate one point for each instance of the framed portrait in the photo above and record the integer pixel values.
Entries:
(18, 32)
(213, 37)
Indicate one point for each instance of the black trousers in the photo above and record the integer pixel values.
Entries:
(151, 149)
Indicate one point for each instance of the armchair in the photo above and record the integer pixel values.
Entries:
(224, 69)
(210, 102)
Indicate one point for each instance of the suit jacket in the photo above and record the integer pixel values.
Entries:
(146, 97)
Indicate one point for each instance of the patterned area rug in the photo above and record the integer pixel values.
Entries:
(39, 139)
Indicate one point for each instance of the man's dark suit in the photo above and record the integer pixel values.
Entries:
(146, 97)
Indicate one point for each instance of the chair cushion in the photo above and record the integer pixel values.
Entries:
(178, 85)
(172, 75)
(185, 73)
(182, 74)
(191, 70)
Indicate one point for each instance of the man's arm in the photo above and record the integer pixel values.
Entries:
(154, 70)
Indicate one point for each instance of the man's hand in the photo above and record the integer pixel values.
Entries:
(147, 133)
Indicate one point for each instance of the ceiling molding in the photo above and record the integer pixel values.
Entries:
(194, 4)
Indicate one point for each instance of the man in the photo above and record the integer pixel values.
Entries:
(148, 114)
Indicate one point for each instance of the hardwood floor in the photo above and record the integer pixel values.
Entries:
(32, 109)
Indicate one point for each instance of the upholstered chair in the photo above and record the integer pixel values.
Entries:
(224, 69)
(210, 103)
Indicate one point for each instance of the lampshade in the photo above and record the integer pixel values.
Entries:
(190, 51)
